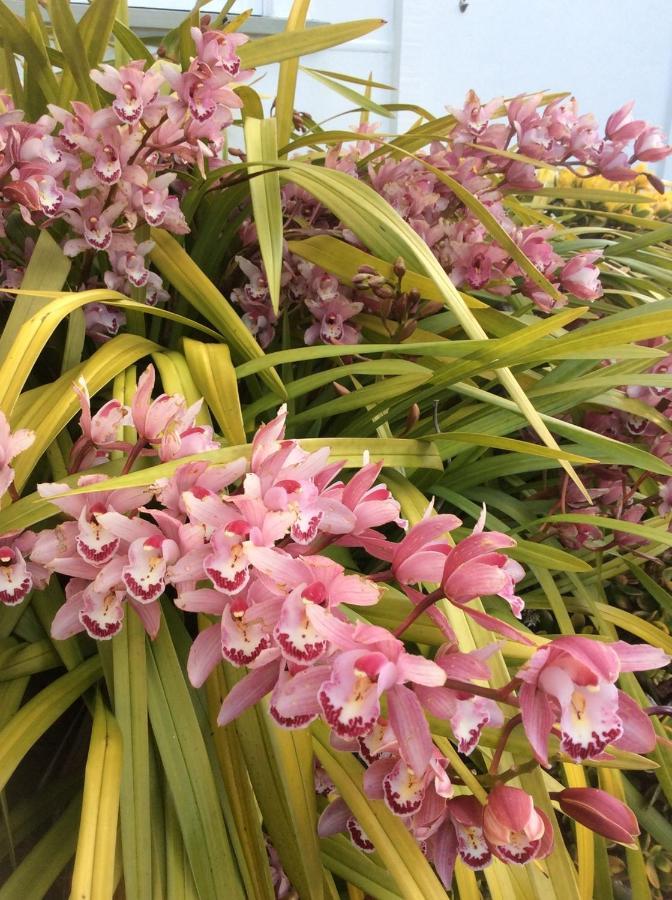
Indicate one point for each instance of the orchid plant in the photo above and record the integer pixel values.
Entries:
(315, 604)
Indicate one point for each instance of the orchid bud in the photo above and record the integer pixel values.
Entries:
(383, 291)
(412, 418)
(361, 280)
(341, 389)
(431, 308)
(407, 330)
(385, 308)
(600, 812)
(399, 267)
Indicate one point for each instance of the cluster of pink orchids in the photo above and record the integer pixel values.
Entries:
(110, 173)
(472, 154)
(248, 543)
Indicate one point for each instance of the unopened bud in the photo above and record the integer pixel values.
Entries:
(655, 182)
(341, 389)
(399, 267)
(431, 308)
(385, 307)
(412, 418)
(407, 330)
(383, 291)
(361, 280)
(600, 812)
(367, 270)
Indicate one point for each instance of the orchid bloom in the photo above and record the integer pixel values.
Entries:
(581, 278)
(99, 431)
(11, 444)
(133, 88)
(573, 680)
(373, 663)
(306, 581)
(162, 421)
(514, 828)
(421, 555)
(19, 574)
(473, 568)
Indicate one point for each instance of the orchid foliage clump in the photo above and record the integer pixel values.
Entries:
(361, 586)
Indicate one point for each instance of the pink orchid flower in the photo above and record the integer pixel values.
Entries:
(134, 89)
(149, 552)
(93, 541)
(218, 51)
(465, 816)
(197, 478)
(102, 322)
(573, 680)
(99, 610)
(374, 663)
(331, 320)
(421, 555)
(620, 125)
(651, 145)
(11, 444)
(100, 431)
(473, 569)
(580, 277)
(94, 222)
(163, 420)
(302, 582)
(18, 573)
(337, 818)
(392, 779)
(514, 828)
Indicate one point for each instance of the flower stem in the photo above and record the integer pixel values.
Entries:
(418, 610)
(503, 739)
(133, 455)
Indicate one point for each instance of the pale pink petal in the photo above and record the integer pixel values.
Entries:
(638, 735)
(205, 654)
(66, 622)
(204, 600)
(418, 670)
(639, 657)
(294, 702)
(410, 727)
(248, 691)
(149, 614)
(538, 719)
(334, 818)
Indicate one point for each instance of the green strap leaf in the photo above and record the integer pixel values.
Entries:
(188, 773)
(291, 44)
(261, 142)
